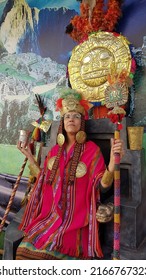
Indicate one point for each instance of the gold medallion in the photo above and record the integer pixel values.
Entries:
(81, 169)
(81, 137)
(116, 95)
(51, 162)
(92, 61)
(60, 139)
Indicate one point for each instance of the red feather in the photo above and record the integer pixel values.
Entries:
(59, 104)
(85, 104)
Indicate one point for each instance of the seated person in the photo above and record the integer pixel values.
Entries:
(60, 217)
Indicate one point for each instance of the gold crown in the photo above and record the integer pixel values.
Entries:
(71, 104)
(71, 100)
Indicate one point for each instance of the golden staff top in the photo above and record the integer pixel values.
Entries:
(93, 60)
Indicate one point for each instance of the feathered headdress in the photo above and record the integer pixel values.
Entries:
(71, 100)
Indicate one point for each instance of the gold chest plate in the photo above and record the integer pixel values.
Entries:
(81, 169)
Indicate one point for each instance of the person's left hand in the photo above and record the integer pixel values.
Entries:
(117, 146)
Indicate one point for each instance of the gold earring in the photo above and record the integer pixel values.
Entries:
(81, 137)
(60, 139)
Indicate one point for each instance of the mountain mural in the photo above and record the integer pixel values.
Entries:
(41, 4)
(34, 51)
(25, 29)
(17, 19)
(50, 35)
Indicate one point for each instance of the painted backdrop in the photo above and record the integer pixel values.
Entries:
(34, 51)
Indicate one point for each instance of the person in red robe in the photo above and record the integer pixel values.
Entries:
(60, 217)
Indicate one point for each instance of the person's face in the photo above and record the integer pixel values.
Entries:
(72, 122)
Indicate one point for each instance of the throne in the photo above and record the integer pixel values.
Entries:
(133, 195)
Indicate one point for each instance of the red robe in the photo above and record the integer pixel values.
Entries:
(62, 217)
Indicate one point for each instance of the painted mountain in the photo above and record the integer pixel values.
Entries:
(25, 29)
(39, 26)
(41, 4)
(34, 51)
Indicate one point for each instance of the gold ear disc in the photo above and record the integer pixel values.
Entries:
(60, 139)
(81, 137)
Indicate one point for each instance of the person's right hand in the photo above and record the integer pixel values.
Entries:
(26, 149)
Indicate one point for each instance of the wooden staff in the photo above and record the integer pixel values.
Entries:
(116, 115)
(12, 195)
(116, 246)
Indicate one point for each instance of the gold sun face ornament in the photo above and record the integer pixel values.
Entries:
(92, 61)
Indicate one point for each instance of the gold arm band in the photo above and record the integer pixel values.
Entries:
(107, 178)
(34, 169)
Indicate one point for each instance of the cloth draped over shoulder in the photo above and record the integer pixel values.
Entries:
(62, 217)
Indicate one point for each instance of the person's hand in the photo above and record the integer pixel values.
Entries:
(117, 146)
(27, 150)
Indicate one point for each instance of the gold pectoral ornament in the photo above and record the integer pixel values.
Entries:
(81, 169)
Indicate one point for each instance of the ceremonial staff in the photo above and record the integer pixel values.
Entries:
(23, 138)
(12, 195)
(116, 95)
